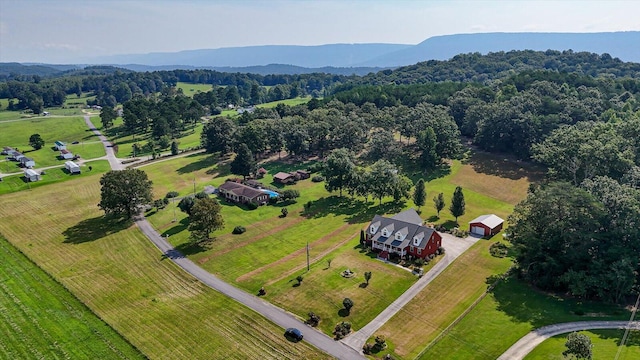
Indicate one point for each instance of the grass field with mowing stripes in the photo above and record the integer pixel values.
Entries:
(41, 319)
(606, 344)
(122, 277)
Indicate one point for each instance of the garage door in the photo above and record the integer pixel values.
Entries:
(478, 230)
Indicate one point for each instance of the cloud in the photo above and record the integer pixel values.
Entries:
(58, 46)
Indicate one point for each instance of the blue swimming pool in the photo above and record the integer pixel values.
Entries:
(271, 193)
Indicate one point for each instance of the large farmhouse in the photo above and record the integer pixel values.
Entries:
(486, 225)
(402, 234)
(241, 193)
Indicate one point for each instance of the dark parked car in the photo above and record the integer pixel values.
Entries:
(76, 142)
(294, 333)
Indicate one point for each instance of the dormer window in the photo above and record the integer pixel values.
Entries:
(398, 236)
(385, 232)
(372, 229)
(416, 241)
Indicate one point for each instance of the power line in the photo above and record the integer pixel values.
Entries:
(627, 329)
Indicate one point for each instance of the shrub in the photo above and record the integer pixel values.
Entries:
(348, 304)
(315, 167)
(381, 341)
(367, 348)
(290, 194)
(171, 194)
(431, 256)
(317, 178)
(284, 212)
(418, 262)
(440, 250)
(459, 232)
(239, 229)
(342, 329)
(498, 249)
(202, 195)
(274, 200)
(165, 201)
(313, 320)
(252, 206)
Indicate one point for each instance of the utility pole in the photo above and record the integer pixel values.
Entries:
(174, 210)
(308, 269)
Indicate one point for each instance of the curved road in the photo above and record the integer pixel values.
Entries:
(529, 342)
(269, 311)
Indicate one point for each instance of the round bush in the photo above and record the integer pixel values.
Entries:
(317, 178)
(171, 194)
(239, 229)
(252, 206)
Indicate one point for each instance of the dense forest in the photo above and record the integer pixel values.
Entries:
(578, 114)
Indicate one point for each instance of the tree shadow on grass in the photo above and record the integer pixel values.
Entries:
(355, 210)
(185, 249)
(203, 163)
(343, 312)
(180, 227)
(504, 166)
(524, 303)
(94, 229)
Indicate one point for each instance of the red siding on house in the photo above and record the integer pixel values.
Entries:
(435, 241)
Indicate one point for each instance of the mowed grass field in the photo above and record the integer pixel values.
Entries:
(15, 183)
(68, 129)
(606, 345)
(190, 89)
(41, 319)
(122, 277)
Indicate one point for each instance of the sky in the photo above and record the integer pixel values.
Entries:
(68, 31)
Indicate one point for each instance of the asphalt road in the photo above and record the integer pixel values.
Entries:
(454, 247)
(529, 342)
(269, 311)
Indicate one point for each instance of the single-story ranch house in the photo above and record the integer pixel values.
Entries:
(486, 225)
(27, 162)
(241, 193)
(402, 234)
(59, 145)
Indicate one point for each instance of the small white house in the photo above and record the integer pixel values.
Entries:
(31, 175)
(72, 167)
(59, 145)
(66, 154)
(27, 162)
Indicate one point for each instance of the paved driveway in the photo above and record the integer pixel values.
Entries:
(454, 247)
(529, 342)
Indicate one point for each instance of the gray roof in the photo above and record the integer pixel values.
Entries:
(410, 216)
(490, 220)
(393, 226)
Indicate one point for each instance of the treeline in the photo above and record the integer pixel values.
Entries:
(475, 67)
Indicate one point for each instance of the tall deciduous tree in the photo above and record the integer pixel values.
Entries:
(438, 202)
(419, 194)
(243, 164)
(217, 135)
(107, 115)
(427, 143)
(204, 219)
(36, 141)
(123, 192)
(457, 207)
(338, 170)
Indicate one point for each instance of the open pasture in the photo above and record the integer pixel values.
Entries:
(190, 89)
(122, 277)
(42, 319)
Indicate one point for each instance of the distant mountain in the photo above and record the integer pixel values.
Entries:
(261, 69)
(336, 55)
(9, 69)
(623, 45)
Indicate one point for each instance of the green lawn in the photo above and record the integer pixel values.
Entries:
(15, 115)
(68, 129)
(74, 100)
(606, 344)
(112, 268)
(190, 89)
(42, 319)
(507, 314)
(15, 183)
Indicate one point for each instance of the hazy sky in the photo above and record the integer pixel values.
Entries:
(66, 31)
